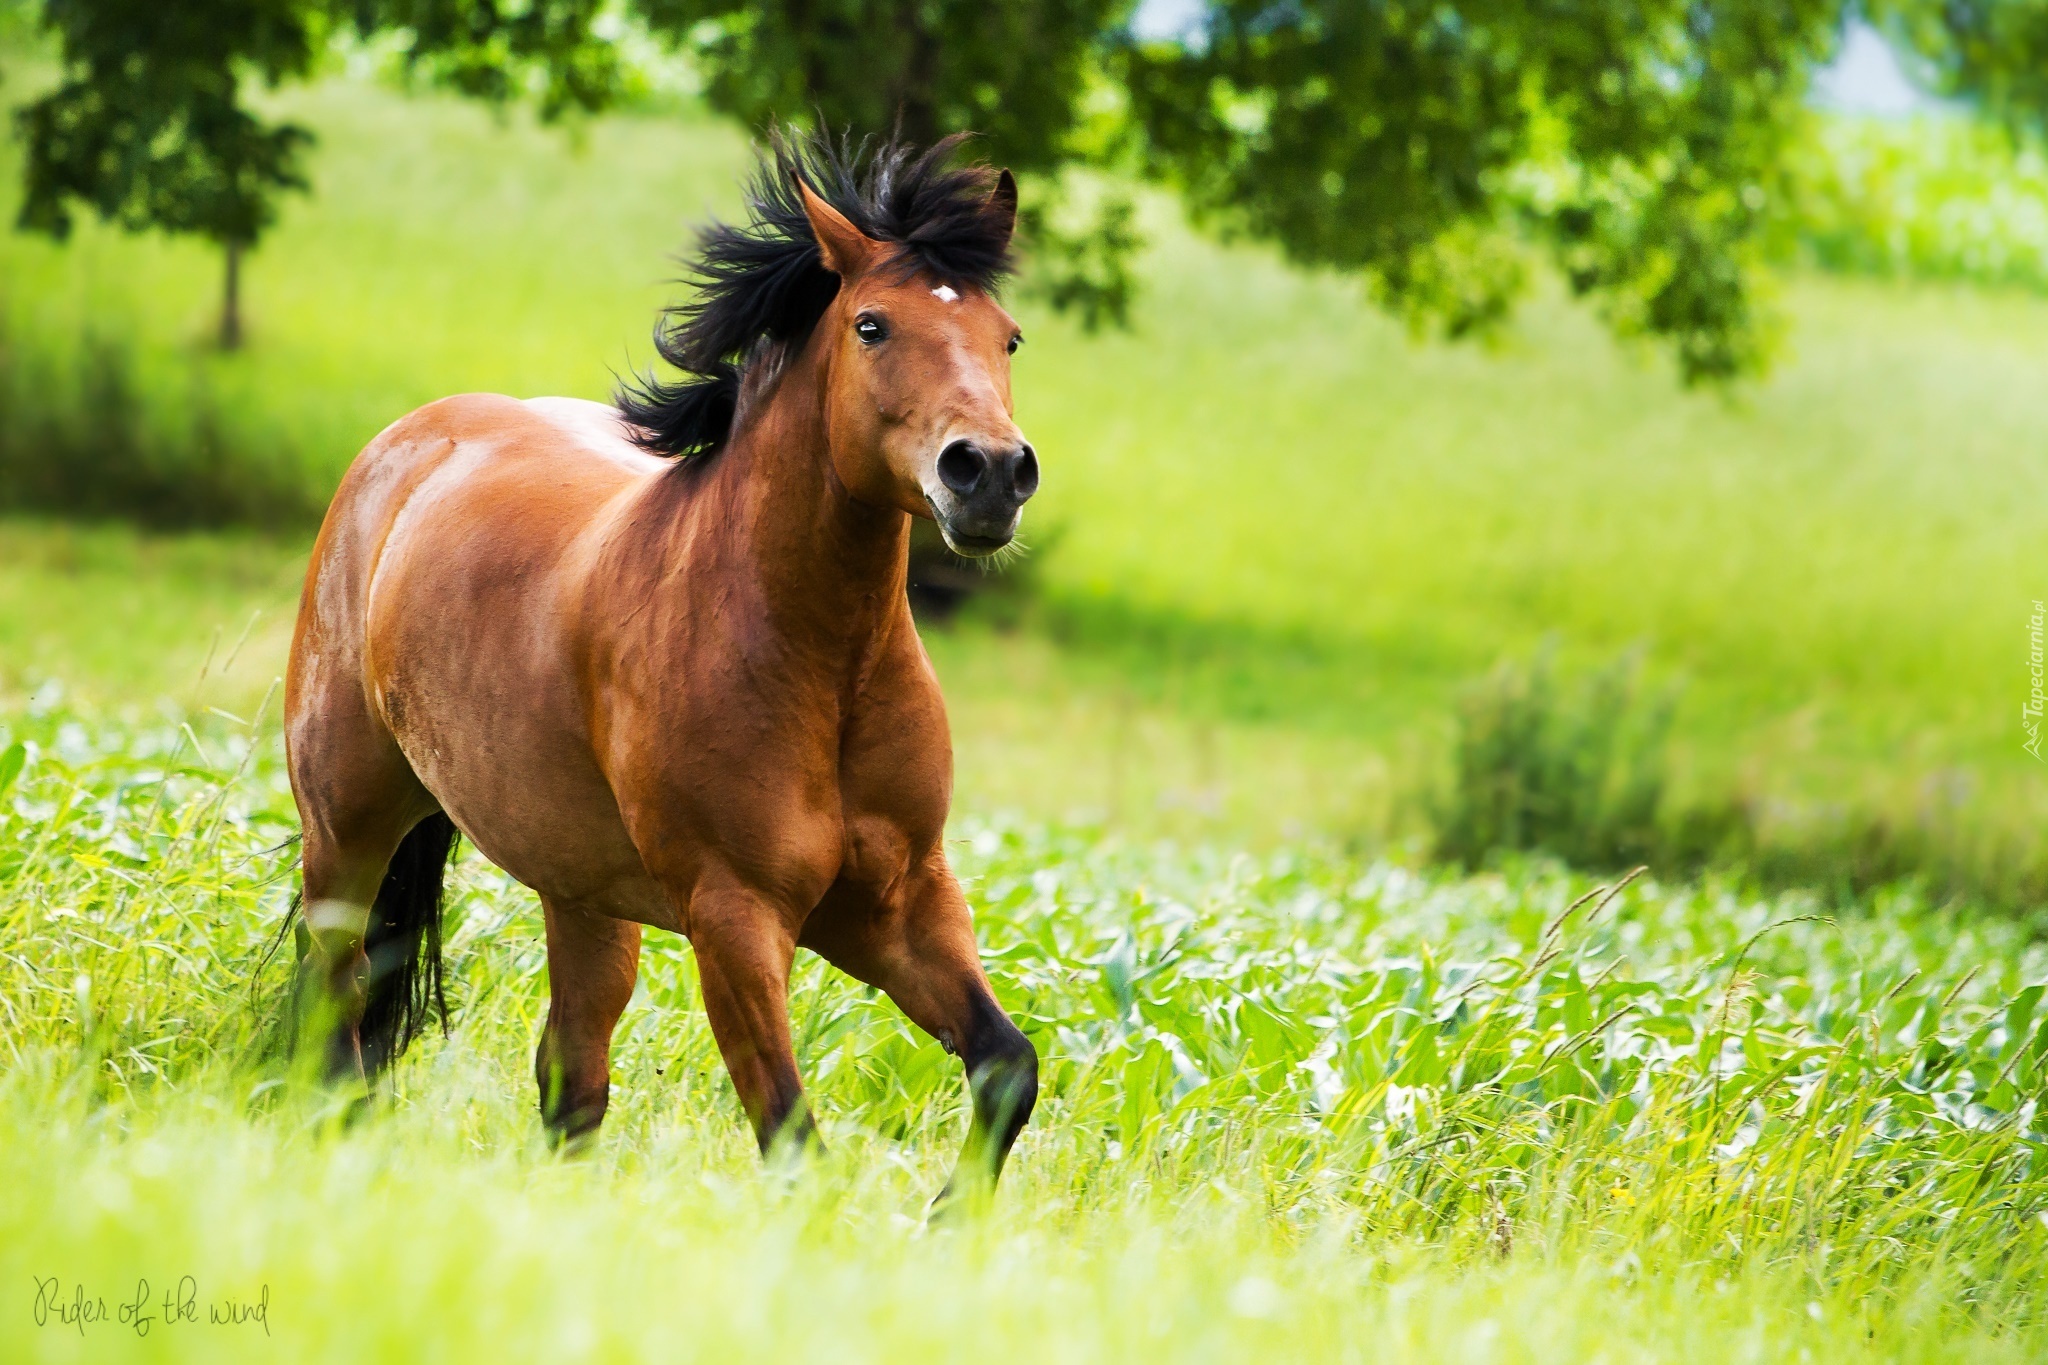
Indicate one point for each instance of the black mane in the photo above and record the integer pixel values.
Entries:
(762, 287)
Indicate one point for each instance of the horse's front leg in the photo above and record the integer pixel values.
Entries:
(744, 946)
(917, 943)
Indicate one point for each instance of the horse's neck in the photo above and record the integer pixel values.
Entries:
(828, 571)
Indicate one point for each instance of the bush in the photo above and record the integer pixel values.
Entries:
(1936, 836)
(1578, 767)
(1571, 767)
(86, 439)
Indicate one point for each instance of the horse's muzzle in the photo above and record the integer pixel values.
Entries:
(982, 494)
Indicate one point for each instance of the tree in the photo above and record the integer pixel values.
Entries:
(1990, 53)
(501, 50)
(1012, 72)
(1411, 143)
(148, 128)
(149, 125)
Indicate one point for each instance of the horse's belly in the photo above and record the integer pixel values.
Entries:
(540, 811)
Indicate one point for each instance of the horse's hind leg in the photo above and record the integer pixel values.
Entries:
(358, 800)
(592, 960)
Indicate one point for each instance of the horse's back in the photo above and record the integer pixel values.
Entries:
(506, 470)
(439, 458)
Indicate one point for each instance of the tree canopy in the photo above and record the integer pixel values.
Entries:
(1427, 147)
(150, 124)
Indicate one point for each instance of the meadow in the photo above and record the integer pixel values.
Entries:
(1306, 1093)
(1294, 1104)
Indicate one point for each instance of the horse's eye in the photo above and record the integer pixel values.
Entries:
(1015, 342)
(869, 331)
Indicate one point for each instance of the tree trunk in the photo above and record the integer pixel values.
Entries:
(917, 106)
(231, 300)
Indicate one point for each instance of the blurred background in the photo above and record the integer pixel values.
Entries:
(1472, 432)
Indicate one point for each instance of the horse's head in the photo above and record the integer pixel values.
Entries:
(918, 373)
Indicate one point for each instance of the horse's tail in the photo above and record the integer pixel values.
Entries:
(404, 945)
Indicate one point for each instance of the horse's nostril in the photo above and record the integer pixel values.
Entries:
(960, 467)
(1025, 475)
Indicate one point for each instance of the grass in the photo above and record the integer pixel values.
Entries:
(133, 623)
(1295, 1104)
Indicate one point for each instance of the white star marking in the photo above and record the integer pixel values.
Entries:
(944, 294)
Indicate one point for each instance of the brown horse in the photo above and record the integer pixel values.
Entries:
(656, 660)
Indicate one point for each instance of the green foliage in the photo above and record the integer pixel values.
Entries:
(1931, 834)
(1290, 1103)
(1644, 145)
(1370, 137)
(1363, 137)
(18, 19)
(147, 126)
(1991, 53)
(1010, 72)
(496, 51)
(1578, 766)
(1082, 262)
(1573, 766)
(1929, 198)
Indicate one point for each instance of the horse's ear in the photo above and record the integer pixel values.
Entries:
(1002, 204)
(845, 249)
